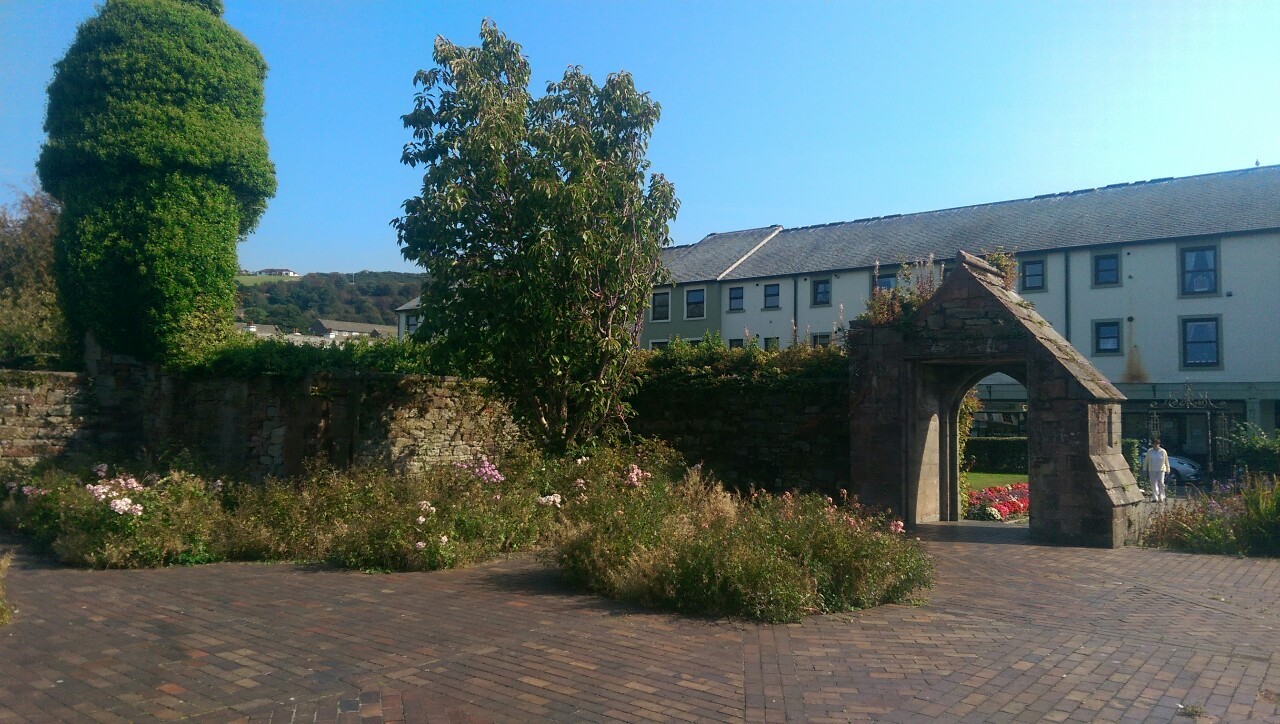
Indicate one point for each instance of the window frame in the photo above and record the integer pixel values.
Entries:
(737, 343)
(653, 306)
(1183, 249)
(777, 295)
(1183, 321)
(772, 344)
(691, 290)
(657, 345)
(813, 291)
(819, 339)
(1093, 270)
(1044, 275)
(1119, 350)
(742, 300)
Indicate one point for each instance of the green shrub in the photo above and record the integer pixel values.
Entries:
(1256, 450)
(1129, 447)
(687, 545)
(997, 454)
(1233, 519)
(247, 357)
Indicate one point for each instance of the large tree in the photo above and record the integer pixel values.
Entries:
(32, 329)
(539, 227)
(156, 151)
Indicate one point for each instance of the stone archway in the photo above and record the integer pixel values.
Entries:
(906, 382)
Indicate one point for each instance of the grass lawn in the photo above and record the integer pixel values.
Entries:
(253, 280)
(978, 481)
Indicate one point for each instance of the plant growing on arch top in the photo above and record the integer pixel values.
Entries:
(540, 228)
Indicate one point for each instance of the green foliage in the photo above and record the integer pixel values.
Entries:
(1004, 263)
(538, 228)
(687, 545)
(970, 405)
(155, 150)
(914, 284)
(628, 522)
(1236, 519)
(1130, 448)
(6, 609)
(32, 329)
(294, 303)
(1256, 450)
(998, 454)
(710, 364)
(245, 356)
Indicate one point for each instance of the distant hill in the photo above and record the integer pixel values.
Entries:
(294, 303)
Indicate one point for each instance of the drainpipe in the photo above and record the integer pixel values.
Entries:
(1066, 293)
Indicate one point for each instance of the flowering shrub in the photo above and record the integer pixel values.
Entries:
(998, 502)
(6, 609)
(1238, 517)
(632, 523)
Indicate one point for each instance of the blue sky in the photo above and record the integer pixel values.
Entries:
(773, 113)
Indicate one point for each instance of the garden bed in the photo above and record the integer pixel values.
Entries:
(999, 502)
(630, 523)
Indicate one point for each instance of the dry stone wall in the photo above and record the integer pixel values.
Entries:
(251, 428)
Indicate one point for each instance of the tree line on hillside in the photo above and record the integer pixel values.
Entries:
(366, 296)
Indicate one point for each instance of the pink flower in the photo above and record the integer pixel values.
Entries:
(636, 477)
(100, 470)
(419, 545)
(896, 527)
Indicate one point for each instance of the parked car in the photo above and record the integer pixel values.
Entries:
(1181, 470)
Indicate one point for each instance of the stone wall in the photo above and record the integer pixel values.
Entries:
(44, 415)
(251, 428)
(777, 439)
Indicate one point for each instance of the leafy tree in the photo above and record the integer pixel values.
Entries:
(32, 329)
(536, 225)
(155, 150)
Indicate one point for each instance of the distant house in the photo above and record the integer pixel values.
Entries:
(341, 331)
(408, 317)
(276, 273)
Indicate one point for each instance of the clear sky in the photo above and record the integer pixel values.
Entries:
(790, 113)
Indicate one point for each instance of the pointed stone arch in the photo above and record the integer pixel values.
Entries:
(906, 384)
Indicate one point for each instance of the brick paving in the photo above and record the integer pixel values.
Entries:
(1010, 632)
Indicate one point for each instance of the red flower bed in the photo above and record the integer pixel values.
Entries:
(999, 502)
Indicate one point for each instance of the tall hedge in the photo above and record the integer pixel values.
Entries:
(998, 454)
(156, 150)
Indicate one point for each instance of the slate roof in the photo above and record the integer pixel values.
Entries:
(410, 305)
(710, 257)
(1160, 209)
(334, 325)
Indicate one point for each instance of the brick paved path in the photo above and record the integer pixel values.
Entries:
(1010, 632)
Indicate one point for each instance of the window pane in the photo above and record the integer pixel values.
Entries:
(1107, 337)
(1200, 342)
(1199, 271)
(735, 299)
(695, 303)
(1106, 269)
(770, 343)
(886, 281)
(1033, 275)
(822, 291)
(735, 344)
(771, 296)
(661, 306)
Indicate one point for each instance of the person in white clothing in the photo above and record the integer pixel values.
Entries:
(1157, 467)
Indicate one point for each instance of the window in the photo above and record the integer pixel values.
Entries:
(658, 344)
(661, 309)
(735, 299)
(1033, 275)
(821, 293)
(1106, 337)
(771, 296)
(410, 324)
(695, 303)
(886, 280)
(1199, 267)
(820, 340)
(1106, 270)
(771, 343)
(1201, 342)
(735, 344)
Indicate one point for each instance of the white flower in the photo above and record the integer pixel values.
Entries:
(444, 539)
(419, 545)
(422, 519)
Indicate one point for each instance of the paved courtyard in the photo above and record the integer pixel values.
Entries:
(1010, 632)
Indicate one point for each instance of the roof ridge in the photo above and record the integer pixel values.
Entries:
(1038, 197)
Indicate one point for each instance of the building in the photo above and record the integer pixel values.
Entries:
(408, 317)
(1168, 286)
(276, 273)
(335, 330)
